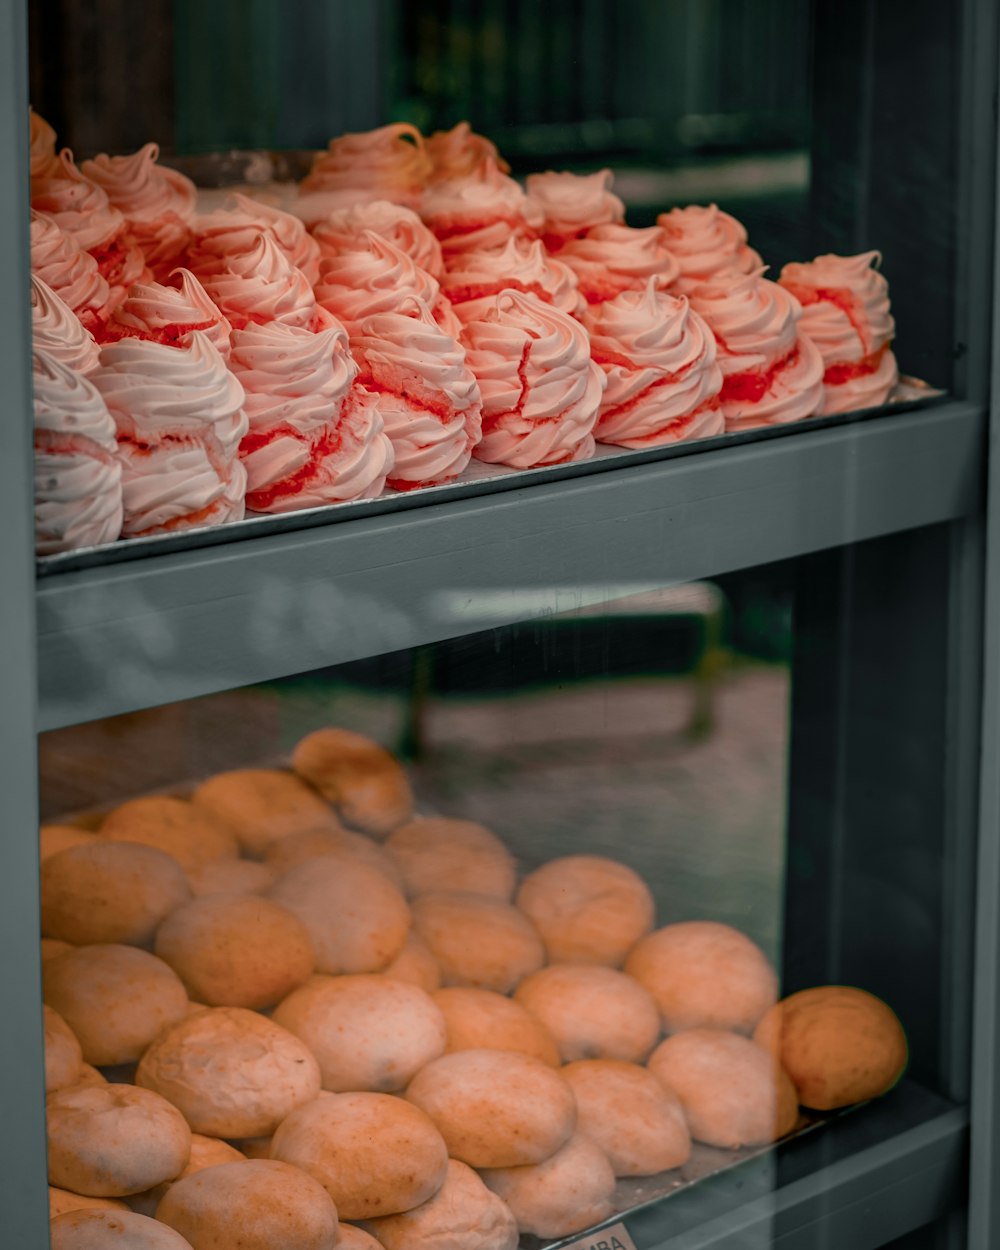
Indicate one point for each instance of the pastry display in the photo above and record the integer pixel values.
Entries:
(452, 855)
(478, 211)
(475, 278)
(390, 163)
(478, 1019)
(299, 848)
(401, 226)
(477, 939)
(58, 332)
(168, 315)
(705, 241)
(571, 204)
(456, 153)
(463, 1215)
(262, 805)
(234, 229)
(613, 258)
(362, 779)
(416, 965)
(192, 835)
(96, 1230)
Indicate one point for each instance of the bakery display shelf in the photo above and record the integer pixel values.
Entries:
(174, 626)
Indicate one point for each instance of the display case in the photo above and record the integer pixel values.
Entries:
(757, 669)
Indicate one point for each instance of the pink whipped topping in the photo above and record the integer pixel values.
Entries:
(479, 211)
(315, 438)
(473, 280)
(58, 331)
(846, 313)
(234, 228)
(772, 373)
(261, 285)
(570, 204)
(659, 357)
(390, 162)
(541, 390)
(78, 477)
(340, 231)
(168, 314)
(72, 273)
(78, 205)
(705, 241)
(44, 162)
(612, 258)
(179, 416)
(460, 153)
(429, 399)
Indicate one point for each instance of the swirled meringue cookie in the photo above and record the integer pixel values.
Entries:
(460, 153)
(541, 391)
(659, 360)
(612, 258)
(71, 272)
(705, 241)
(168, 314)
(179, 415)
(429, 399)
(78, 478)
(845, 311)
(233, 229)
(478, 212)
(474, 279)
(261, 285)
(58, 331)
(390, 163)
(571, 204)
(44, 162)
(771, 372)
(314, 437)
(340, 231)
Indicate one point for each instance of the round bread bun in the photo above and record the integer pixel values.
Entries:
(357, 919)
(51, 947)
(262, 805)
(236, 950)
(704, 975)
(478, 940)
(416, 965)
(372, 1153)
(564, 1194)
(55, 838)
(354, 1238)
(89, 1075)
(366, 784)
(593, 1012)
(482, 1019)
(116, 999)
(496, 1108)
(206, 1152)
(123, 1230)
(733, 1091)
(839, 1045)
(588, 909)
(462, 1215)
(192, 835)
(63, 1053)
(61, 1201)
(231, 876)
(624, 1109)
(298, 848)
(112, 1140)
(367, 1032)
(230, 1072)
(109, 892)
(439, 854)
(255, 1204)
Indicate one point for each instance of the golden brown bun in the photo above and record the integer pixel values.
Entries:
(236, 950)
(89, 1075)
(372, 1153)
(354, 1238)
(588, 909)
(61, 1201)
(122, 1230)
(367, 1032)
(206, 1152)
(116, 999)
(496, 1108)
(110, 892)
(564, 1194)
(438, 854)
(55, 838)
(704, 975)
(624, 1109)
(231, 876)
(367, 785)
(256, 1204)
(262, 805)
(593, 1012)
(51, 947)
(357, 919)
(478, 940)
(231, 1072)
(416, 965)
(462, 1215)
(482, 1019)
(732, 1090)
(63, 1053)
(298, 848)
(192, 835)
(840, 1045)
(112, 1140)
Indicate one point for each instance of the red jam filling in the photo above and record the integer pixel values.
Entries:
(838, 374)
(752, 386)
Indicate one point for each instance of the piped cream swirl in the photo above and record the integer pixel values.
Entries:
(57, 331)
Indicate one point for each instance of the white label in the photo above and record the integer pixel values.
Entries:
(616, 1237)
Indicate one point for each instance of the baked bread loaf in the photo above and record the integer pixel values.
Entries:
(440, 854)
(263, 805)
(192, 835)
(365, 783)
(354, 1238)
(298, 848)
(462, 1215)
(416, 965)
(63, 1054)
(206, 1152)
(482, 1019)
(231, 876)
(478, 940)
(123, 1230)
(61, 1201)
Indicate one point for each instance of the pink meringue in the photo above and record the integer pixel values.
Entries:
(234, 228)
(71, 272)
(571, 204)
(340, 231)
(478, 212)
(167, 314)
(44, 162)
(460, 153)
(705, 241)
(261, 285)
(541, 390)
(57, 331)
(390, 163)
(474, 279)
(612, 258)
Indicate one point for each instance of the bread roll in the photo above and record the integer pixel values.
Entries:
(624, 1109)
(298, 848)
(89, 1075)
(236, 950)
(63, 1054)
(482, 1019)
(372, 1153)
(206, 1152)
(416, 965)
(109, 892)
(367, 1032)
(593, 1012)
(733, 1092)
(367, 785)
(231, 876)
(704, 975)
(262, 805)
(61, 1201)
(55, 838)
(51, 947)
(102, 1230)
(354, 1238)
(478, 940)
(112, 1140)
(564, 1194)
(839, 1045)
(496, 1108)
(357, 919)
(256, 1204)
(588, 909)
(231, 1072)
(438, 854)
(462, 1215)
(192, 835)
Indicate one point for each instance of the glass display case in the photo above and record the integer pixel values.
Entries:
(751, 675)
